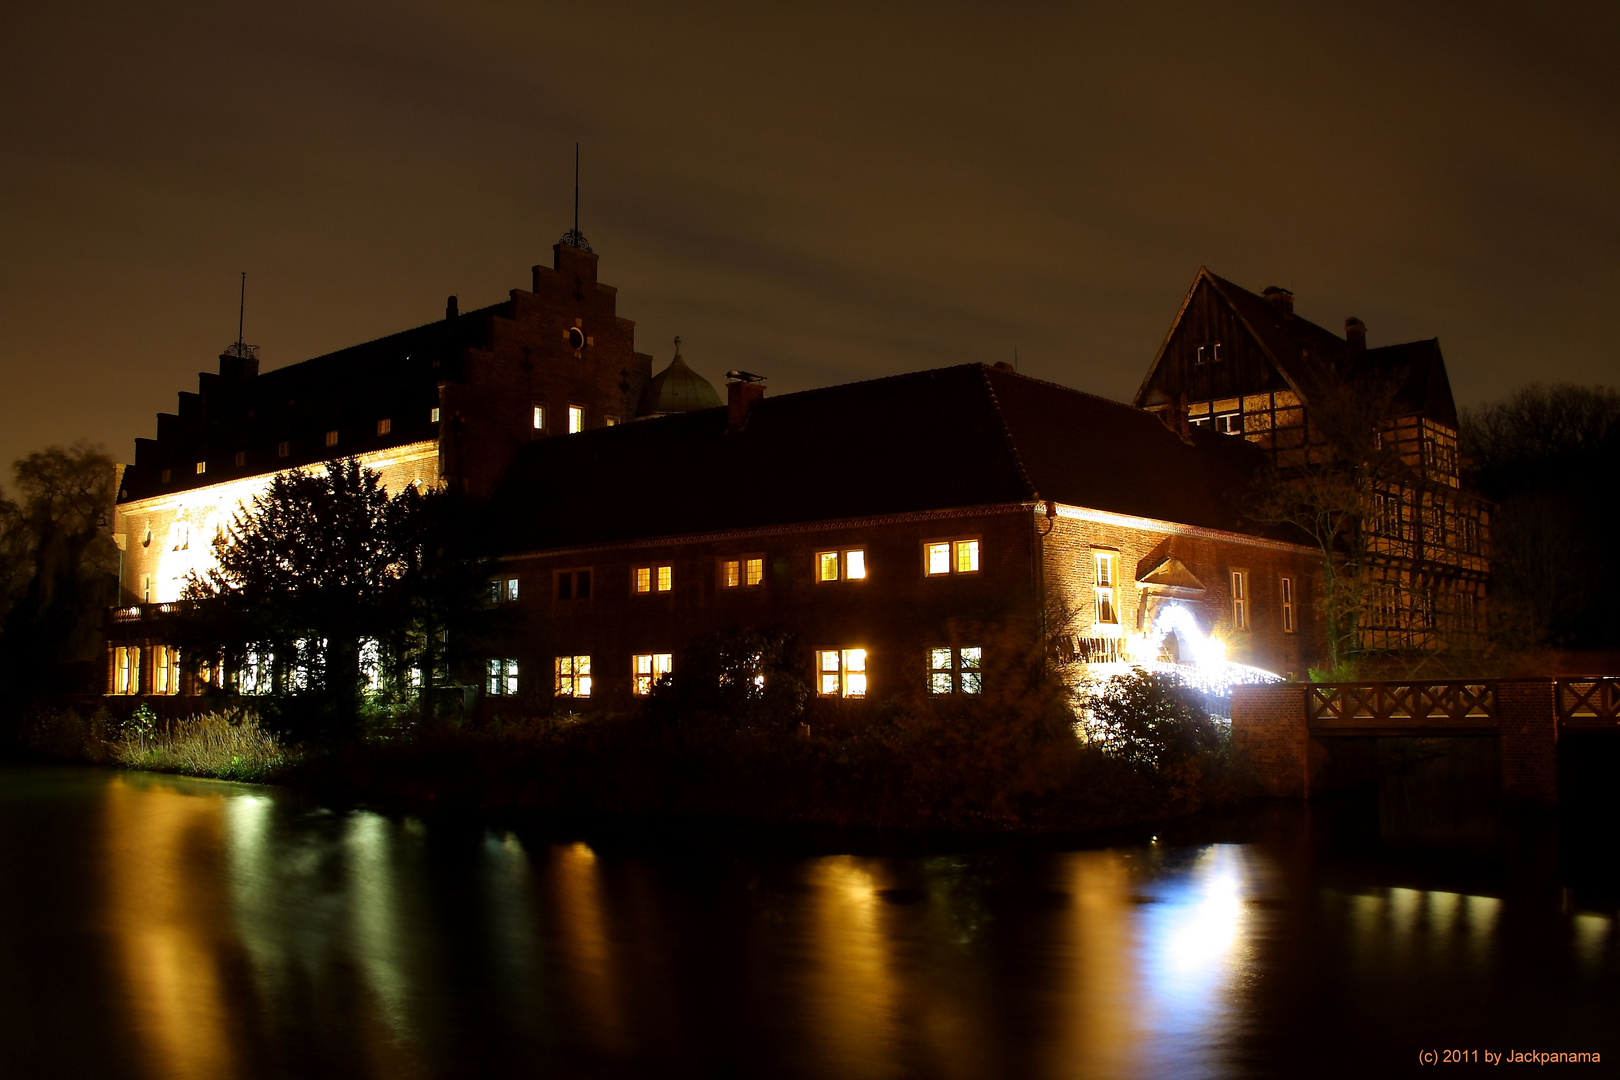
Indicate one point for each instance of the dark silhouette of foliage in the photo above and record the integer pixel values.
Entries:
(1547, 455)
(60, 569)
(1150, 720)
(739, 678)
(303, 575)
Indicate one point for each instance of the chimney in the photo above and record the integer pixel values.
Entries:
(742, 391)
(1281, 298)
(1355, 333)
(450, 311)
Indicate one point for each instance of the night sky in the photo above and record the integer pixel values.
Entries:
(813, 192)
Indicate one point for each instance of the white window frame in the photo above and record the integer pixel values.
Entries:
(955, 669)
(841, 673)
(841, 564)
(646, 669)
(1240, 600)
(576, 419)
(572, 676)
(501, 677)
(956, 552)
(539, 418)
(1105, 568)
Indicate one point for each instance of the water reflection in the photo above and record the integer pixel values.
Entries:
(249, 935)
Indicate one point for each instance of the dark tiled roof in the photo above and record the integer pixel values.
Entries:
(1419, 374)
(954, 437)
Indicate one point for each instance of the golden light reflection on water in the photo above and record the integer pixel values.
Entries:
(164, 908)
(587, 951)
(850, 988)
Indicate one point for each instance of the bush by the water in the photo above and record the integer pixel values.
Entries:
(1158, 726)
(211, 744)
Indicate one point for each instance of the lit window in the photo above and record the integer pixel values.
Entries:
(202, 467)
(573, 676)
(574, 585)
(654, 578)
(576, 419)
(842, 672)
(610, 421)
(1107, 606)
(511, 590)
(164, 476)
(127, 669)
(954, 670)
(241, 458)
(433, 415)
(951, 557)
(165, 671)
(331, 438)
(502, 678)
(1288, 605)
(283, 449)
(841, 566)
(648, 668)
(1240, 599)
(747, 572)
(539, 418)
(385, 426)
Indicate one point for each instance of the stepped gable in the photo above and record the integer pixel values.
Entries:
(944, 439)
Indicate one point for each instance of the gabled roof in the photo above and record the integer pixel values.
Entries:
(1305, 353)
(933, 440)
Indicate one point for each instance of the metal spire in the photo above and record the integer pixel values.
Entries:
(573, 237)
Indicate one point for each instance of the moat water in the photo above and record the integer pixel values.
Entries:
(162, 927)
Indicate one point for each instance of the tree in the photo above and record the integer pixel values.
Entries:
(302, 577)
(1149, 720)
(1546, 456)
(1330, 496)
(60, 567)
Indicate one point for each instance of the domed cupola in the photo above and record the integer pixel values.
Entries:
(677, 389)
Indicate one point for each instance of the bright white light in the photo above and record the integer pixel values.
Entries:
(1202, 661)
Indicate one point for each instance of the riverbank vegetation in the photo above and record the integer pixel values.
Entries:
(212, 744)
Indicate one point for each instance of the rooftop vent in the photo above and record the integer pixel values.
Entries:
(1281, 298)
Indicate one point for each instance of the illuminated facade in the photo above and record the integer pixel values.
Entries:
(446, 402)
(911, 533)
(1245, 365)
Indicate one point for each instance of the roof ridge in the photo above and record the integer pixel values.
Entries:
(1006, 430)
(373, 341)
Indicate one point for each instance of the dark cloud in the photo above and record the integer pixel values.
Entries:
(823, 192)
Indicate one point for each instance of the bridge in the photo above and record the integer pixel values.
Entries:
(1285, 728)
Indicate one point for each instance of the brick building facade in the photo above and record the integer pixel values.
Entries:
(902, 529)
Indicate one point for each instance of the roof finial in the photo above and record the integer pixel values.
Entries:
(241, 314)
(573, 237)
(677, 345)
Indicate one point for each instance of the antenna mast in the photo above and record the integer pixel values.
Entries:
(575, 238)
(241, 313)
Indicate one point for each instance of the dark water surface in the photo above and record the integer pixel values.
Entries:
(159, 927)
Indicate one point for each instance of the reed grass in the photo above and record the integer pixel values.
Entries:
(209, 744)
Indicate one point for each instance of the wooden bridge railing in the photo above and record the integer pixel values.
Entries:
(1451, 703)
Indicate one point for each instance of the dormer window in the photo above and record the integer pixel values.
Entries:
(331, 438)
(384, 426)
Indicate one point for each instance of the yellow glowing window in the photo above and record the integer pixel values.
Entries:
(654, 578)
(731, 573)
(1107, 598)
(502, 677)
(951, 557)
(648, 668)
(955, 670)
(576, 419)
(610, 421)
(754, 572)
(385, 426)
(539, 418)
(1240, 599)
(747, 572)
(841, 672)
(127, 669)
(643, 579)
(331, 438)
(433, 415)
(847, 565)
(573, 676)
(202, 467)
